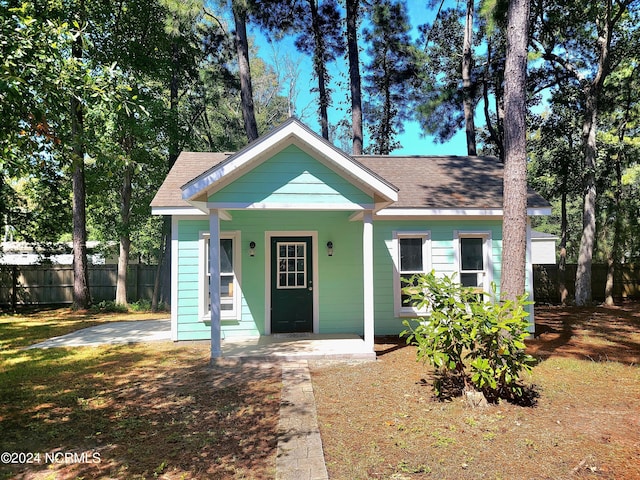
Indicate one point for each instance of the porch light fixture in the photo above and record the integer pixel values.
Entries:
(330, 248)
(252, 248)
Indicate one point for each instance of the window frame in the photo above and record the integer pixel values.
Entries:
(487, 256)
(203, 272)
(400, 309)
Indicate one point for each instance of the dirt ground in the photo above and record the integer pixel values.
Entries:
(381, 420)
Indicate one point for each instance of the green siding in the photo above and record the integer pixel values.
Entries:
(340, 286)
(442, 259)
(189, 325)
(292, 177)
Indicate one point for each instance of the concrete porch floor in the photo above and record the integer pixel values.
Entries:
(307, 346)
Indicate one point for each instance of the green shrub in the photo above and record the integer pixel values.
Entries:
(108, 306)
(480, 340)
(141, 305)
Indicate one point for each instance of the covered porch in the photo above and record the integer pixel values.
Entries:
(299, 346)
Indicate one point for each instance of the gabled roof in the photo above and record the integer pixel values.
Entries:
(421, 185)
(292, 132)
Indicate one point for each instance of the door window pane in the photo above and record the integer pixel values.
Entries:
(292, 265)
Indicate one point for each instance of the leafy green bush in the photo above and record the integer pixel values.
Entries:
(463, 334)
(108, 306)
(141, 305)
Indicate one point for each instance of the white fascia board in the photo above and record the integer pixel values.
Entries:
(176, 211)
(187, 212)
(294, 133)
(440, 212)
(453, 212)
(289, 206)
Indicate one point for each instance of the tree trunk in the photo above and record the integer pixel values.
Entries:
(495, 131)
(81, 294)
(562, 264)
(467, 87)
(613, 261)
(589, 130)
(246, 89)
(125, 237)
(514, 226)
(354, 75)
(320, 68)
(164, 265)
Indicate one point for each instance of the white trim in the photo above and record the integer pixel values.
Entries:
(267, 274)
(367, 269)
(289, 206)
(487, 253)
(175, 251)
(177, 211)
(443, 213)
(235, 313)
(186, 212)
(398, 308)
(292, 132)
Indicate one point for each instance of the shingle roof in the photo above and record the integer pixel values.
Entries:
(188, 166)
(447, 182)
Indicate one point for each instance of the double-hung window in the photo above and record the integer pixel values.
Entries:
(412, 256)
(229, 281)
(474, 261)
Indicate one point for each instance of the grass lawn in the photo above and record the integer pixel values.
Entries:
(380, 420)
(160, 410)
(134, 411)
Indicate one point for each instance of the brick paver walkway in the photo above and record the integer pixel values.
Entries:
(300, 455)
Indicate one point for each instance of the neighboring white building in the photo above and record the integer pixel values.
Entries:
(543, 248)
(23, 253)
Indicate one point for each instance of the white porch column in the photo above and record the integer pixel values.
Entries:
(367, 259)
(214, 282)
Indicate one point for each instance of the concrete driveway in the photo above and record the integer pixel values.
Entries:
(113, 333)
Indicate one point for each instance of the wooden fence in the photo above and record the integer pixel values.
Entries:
(38, 285)
(546, 283)
(53, 284)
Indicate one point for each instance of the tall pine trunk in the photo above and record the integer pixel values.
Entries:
(589, 129)
(515, 163)
(320, 68)
(467, 87)
(81, 294)
(246, 89)
(354, 75)
(587, 241)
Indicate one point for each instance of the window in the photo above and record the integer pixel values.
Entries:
(474, 259)
(413, 255)
(229, 282)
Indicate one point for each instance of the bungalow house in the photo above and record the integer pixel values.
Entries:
(302, 237)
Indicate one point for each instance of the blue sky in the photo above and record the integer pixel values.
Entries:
(412, 140)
